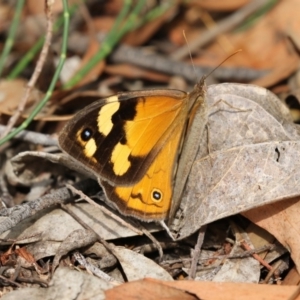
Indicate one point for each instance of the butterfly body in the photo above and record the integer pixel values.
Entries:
(133, 142)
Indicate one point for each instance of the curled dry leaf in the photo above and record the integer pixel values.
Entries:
(49, 238)
(29, 164)
(66, 284)
(282, 220)
(248, 157)
(77, 239)
(137, 266)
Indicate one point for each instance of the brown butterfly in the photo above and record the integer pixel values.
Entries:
(140, 145)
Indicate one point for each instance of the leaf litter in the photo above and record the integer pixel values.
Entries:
(247, 163)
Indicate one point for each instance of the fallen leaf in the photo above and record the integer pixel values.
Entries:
(220, 5)
(229, 290)
(147, 290)
(250, 150)
(282, 220)
(137, 266)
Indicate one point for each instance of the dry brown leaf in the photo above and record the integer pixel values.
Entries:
(65, 284)
(265, 45)
(292, 278)
(23, 252)
(130, 71)
(137, 266)
(144, 33)
(229, 291)
(76, 239)
(147, 290)
(248, 157)
(103, 24)
(11, 95)
(279, 73)
(97, 69)
(282, 220)
(220, 5)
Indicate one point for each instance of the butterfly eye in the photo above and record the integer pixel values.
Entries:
(156, 195)
(86, 134)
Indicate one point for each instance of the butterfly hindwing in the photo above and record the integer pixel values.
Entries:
(150, 198)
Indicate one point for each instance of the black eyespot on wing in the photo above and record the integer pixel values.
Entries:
(86, 134)
(156, 195)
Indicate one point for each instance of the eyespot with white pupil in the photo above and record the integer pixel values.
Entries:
(86, 134)
(156, 195)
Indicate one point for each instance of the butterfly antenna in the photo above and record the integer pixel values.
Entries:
(190, 53)
(214, 69)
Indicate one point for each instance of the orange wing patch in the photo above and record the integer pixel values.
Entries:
(151, 197)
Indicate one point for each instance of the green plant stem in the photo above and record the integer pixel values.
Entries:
(28, 57)
(11, 35)
(38, 108)
(119, 29)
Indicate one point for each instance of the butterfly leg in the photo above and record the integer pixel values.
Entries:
(208, 145)
(228, 104)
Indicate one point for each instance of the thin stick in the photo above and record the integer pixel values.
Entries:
(256, 256)
(11, 35)
(155, 242)
(10, 281)
(222, 27)
(94, 270)
(103, 209)
(61, 62)
(197, 251)
(34, 137)
(37, 71)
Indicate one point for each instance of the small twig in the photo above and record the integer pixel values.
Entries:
(150, 248)
(243, 254)
(10, 217)
(86, 226)
(53, 82)
(37, 71)
(153, 61)
(223, 26)
(155, 242)
(17, 271)
(109, 247)
(33, 280)
(96, 271)
(256, 256)
(225, 256)
(103, 209)
(30, 55)
(16, 241)
(10, 281)
(138, 56)
(34, 137)
(274, 272)
(5, 197)
(196, 252)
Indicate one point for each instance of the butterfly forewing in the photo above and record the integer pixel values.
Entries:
(117, 138)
